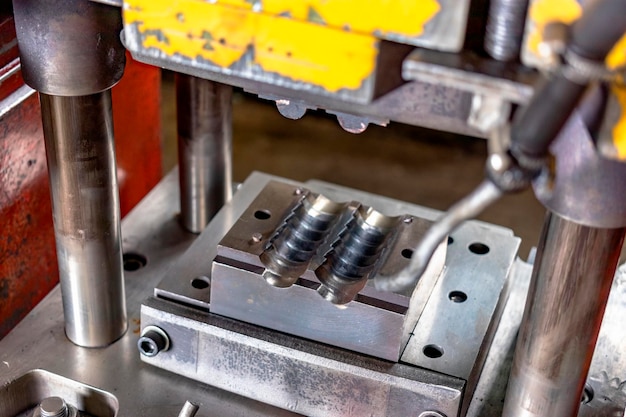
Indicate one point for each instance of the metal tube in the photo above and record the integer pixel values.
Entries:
(505, 28)
(204, 118)
(568, 293)
(78, 133)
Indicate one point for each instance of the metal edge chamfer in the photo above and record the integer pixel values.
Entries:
(298, 239)
(153, 340)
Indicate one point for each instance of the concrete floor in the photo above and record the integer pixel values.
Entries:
(403, 162)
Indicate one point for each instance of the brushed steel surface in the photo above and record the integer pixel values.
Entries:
(204, 124)
(298, 375)
(69, 47)
(376, 323)
(569, 290)
(38, 342)
(78, 132)
(152, 229)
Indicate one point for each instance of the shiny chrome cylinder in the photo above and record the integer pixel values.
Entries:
(78, 132)
(505, 28)
(569, 289)
(204, 118)
(69, 47)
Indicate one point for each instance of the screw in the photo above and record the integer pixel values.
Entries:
(53, 407)
(152, 341)
(256, 237)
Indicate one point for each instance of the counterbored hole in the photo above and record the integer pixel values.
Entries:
(407, 253)
(262, 214)
(450, 240)
(200, 282)
(133, 261)
(479, 248)
(457, 296)
(433, 351)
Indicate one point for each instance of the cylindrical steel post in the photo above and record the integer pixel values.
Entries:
(569, 289)
(78, 132)
(72, 54)
(204, 117)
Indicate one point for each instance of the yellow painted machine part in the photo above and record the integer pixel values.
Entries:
(543, 12)
(328, 43)
(378, 17)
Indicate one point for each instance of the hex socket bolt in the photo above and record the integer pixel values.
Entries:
(152, 341)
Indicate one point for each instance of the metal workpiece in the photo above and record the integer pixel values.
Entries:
(69, 47)
(287, 371)
(78, 132)
(297, 240)
(358, 242)
(505, 29)
(204, 124)
(585, 187)
(355, 255)
(570, 286)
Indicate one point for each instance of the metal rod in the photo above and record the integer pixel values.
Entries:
(568, 293)
(78, 132)
(204, 117)
(467, 208)
(505, 28)
(189, 410)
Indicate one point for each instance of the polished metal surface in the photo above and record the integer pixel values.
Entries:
(569, 290)
(153, 230)
(455, 330)
(204, 123)
(375, 323)
(587, 188)
(83, 182)
(40, 393)
(295, 374)
(505, 29)
(69, 47)
(133, 389)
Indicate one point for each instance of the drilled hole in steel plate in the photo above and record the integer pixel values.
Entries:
(200, 282)
(407, 253)
(450, 240)
(262, 214)
(588, 394)
(479, 248)
(432, 351)
(133, 261)
(457, 296)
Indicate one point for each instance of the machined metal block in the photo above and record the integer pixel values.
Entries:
(375, 323)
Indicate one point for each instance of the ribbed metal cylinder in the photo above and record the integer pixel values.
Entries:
(505, 28)
(78, 132)
(204, 120)
(568, 293)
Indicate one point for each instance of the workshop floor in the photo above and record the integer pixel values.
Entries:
(399, 161)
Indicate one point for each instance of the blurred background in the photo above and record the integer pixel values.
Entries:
(407, 163)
